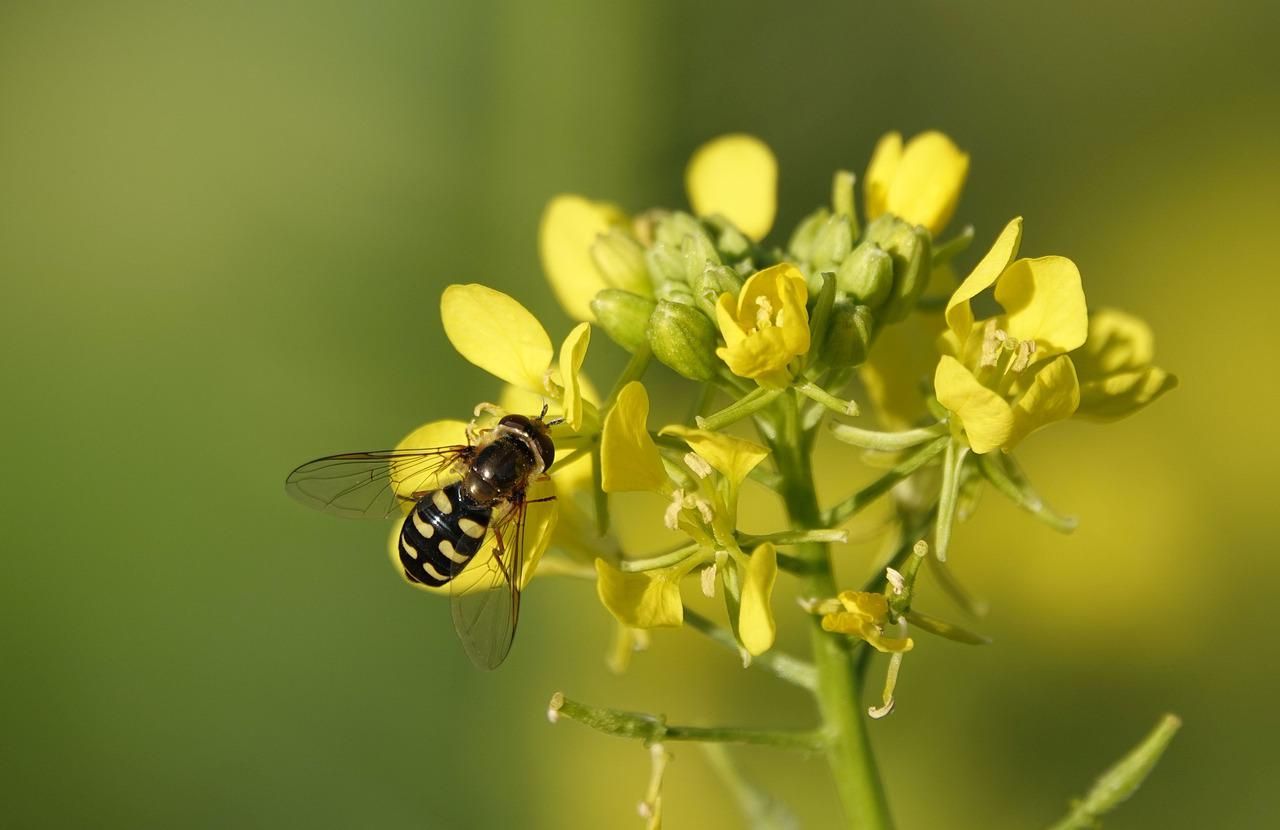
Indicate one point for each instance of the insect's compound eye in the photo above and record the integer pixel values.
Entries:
(519, 422)
(546, 448)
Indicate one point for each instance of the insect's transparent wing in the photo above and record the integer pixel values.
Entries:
(374, 484)
(486, 595)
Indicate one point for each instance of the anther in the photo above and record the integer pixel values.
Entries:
(697, 464)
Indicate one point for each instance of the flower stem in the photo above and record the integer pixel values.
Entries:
(773, 661)
(849, 751)
(654, 728)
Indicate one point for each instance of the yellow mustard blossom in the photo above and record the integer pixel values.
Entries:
(499, 335)
(629, 460)
(1007, 376)
(646, 599)
(766, 326)
(863, 615)
(574, 244)
(756, 627)
(1117, 377)
(735, 176)
(478, 574)
(919, 183)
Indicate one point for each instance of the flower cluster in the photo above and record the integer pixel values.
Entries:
(856, 305)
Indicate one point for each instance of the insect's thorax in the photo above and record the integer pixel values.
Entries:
(501, 469)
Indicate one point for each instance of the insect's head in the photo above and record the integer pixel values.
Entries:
(537, 431)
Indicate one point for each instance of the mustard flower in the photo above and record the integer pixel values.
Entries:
(586, 247)
(766, 326)
(1007, 376)
(920, 182)
(1117, 377)
(862, 615)
(735, 176)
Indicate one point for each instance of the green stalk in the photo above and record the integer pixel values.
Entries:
(849, 751)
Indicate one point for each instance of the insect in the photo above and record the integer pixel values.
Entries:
(457, 497)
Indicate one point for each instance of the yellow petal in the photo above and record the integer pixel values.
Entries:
(433, 434)
(629, 459)
(480, 574)
(756, 627)
(1052, 396)
(1122, 394)
(649, 599)
(572, 353)
(496, 333)
(927, 182)
(570, 225)
(734, 458)
(1117, 342)
(880, 172)
(959, 315)
(768, 325)
(735, 176)
(986, 418)
(1044, 302)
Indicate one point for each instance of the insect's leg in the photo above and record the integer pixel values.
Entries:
(482, 409)
(544, 498)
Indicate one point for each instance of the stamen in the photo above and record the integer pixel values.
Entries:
(890, 683)
(896, 581)
(704, 507)
(708, 578)
(1023, 357)
(992, 339)
(764, 313)
(697, 464)
(672, 517)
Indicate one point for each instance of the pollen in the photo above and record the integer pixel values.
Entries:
(764, 313)
(697, 464)
(708, 580)
(896, 581)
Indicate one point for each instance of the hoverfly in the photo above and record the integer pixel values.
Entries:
(457, 496)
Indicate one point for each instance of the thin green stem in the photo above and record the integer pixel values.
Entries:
(849, 753)
(746, 406)
(780, 665)
(662, 561)
(870, 439)
(838, 513)
(794, 537)
(634, 370)
(654, 728)
(760, 809)
(816, 393)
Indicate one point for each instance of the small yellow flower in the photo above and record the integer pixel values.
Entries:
(1117, 377)
(862, 615)
(920, 182)
(766, 326)
(648, 599)
(735, 176)
(571, 227)
(734, 458)
(499, 335)
(1007, 376)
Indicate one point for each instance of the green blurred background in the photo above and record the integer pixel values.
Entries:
(224, 228)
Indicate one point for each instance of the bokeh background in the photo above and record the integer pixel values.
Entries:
(224, 228)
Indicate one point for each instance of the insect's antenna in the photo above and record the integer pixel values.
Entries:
(554, 421)
(545, 407)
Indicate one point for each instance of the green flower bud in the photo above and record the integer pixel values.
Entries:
(801, 244)
(848, 335)
(624, 316)
(684, 339)
(620, 260)
(908, 246)
(832, 243)
(867, 275)
(711, 283)
(681, 232)
(676, 292)
(665, 264)
(730, 240)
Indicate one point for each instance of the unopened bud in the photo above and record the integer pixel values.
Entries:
(620, 260)
(801, 244)
(848, 335)
(683, 338)
(867, 275)
(711, 283)
(908, 246)
(624, 316)
(665, 264)
(832, 243)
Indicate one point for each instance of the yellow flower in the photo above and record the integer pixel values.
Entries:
(1117, 377)
(862, 615)
(920, 183)
(735, 176)
(571, 229)
(648, 599)
(1007, 376)
(499, 335)
(766, 326)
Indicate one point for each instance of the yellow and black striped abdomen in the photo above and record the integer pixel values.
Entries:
(441, 535)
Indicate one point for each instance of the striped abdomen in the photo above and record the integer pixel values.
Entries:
(440, 535)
